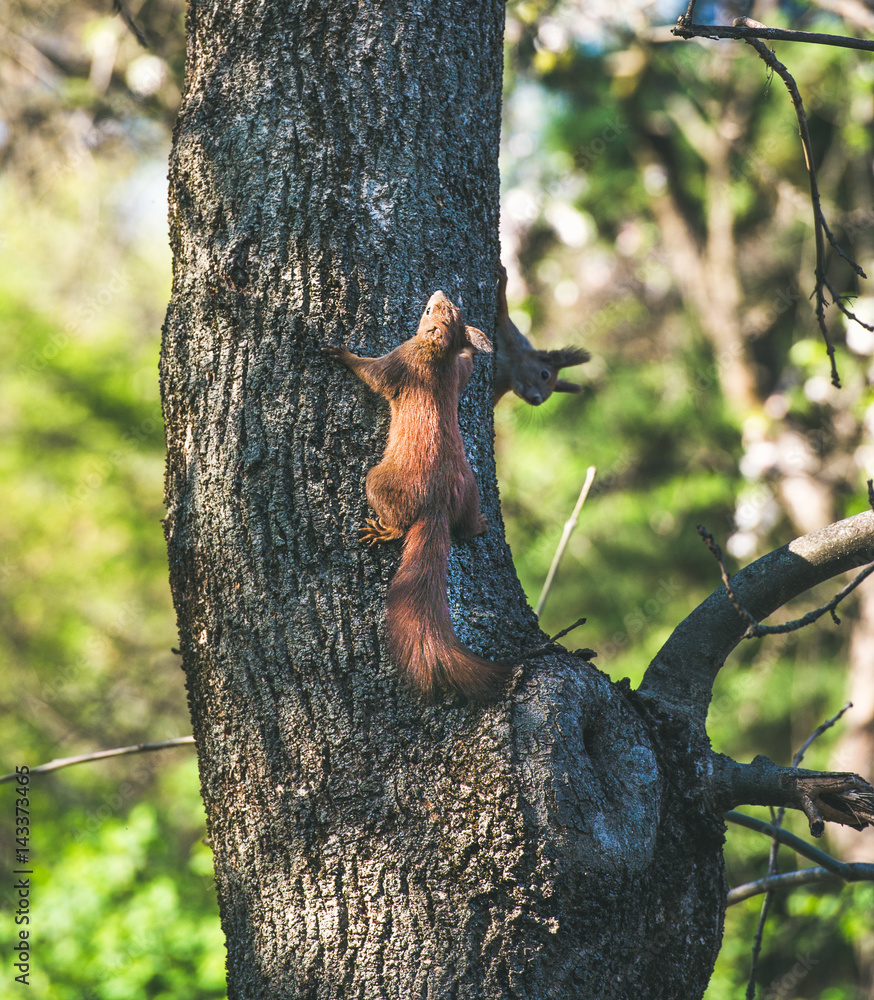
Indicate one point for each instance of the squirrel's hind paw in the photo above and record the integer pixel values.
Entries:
(375, 531)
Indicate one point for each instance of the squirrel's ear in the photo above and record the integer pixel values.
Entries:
(478, 339)
(566, 356)
(562, 386)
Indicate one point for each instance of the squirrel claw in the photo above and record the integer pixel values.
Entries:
(375, 531)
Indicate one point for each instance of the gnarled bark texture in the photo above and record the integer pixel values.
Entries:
(334, 164)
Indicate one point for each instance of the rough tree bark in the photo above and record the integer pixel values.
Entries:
(333, 165)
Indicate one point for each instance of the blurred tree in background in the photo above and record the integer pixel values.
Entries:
(656, 212)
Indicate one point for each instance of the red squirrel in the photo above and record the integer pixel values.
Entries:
(423, 490)
(531, 374)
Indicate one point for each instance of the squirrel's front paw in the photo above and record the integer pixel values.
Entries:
(335, 351)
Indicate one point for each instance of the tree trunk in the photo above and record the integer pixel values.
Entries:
(333, 165)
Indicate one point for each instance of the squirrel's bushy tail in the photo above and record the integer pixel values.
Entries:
(420, 634)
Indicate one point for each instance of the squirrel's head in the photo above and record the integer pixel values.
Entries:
(535, 376)
(442, 324)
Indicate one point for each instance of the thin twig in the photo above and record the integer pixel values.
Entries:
(839, 299)
(547, 646)
(752, 32)
(770, 60)
(760, 927)
(717, 555)
(569, 526)
(759, 630)
(687, 17)
(120, 8)
(820, 729)
(799, 757)
(83, 758)
(840, 250)
(744, 32)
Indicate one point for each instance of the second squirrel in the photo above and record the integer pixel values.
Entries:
(520, 367)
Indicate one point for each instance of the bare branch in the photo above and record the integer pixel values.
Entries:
(726, 580)
(687, 17)
(777, 67)
(683, 671)
(772, 856)
(84, 758)
(812, 616)
(787, 880)
(752, 32)
(836, 246)
(849, 871)
(824, 797)
(820, 729)
(120, 8)
(760, 935)
(744, 32)
(839, 299)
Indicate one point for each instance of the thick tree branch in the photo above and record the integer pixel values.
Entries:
(838, 797)
(757, 631)
(683, 671)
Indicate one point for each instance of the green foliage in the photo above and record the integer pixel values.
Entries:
(123, 904)
(86, 623)
(802, 954)
(655, 482)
